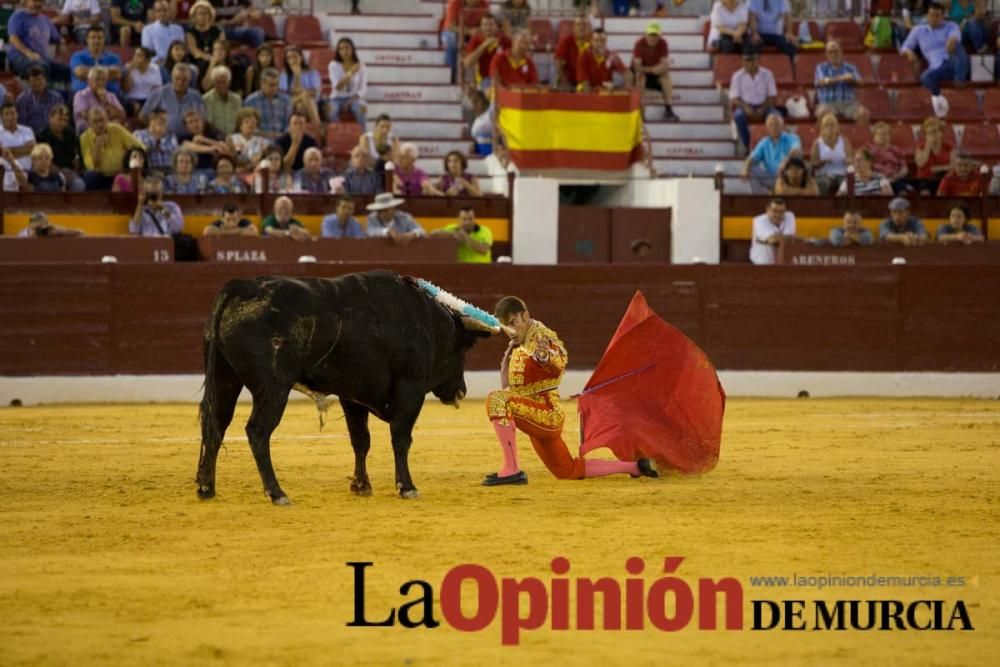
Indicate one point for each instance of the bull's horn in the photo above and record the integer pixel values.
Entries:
(472, 324)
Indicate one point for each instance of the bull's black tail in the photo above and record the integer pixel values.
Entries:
(222, 386)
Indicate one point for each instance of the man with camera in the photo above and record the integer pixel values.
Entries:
(153, 216)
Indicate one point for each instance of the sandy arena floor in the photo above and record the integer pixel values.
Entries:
(109, 558)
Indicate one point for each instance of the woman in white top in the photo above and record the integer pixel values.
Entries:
(349, 79)
(141, 77)
(728, 26)
(245, 144)
(831, 152)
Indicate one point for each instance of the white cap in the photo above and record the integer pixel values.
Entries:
(109, 259)
(307, 259)
(898, 260)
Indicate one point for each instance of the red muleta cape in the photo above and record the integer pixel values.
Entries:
(653, 394)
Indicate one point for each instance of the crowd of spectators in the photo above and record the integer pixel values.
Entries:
(900, 227)
(928, 31)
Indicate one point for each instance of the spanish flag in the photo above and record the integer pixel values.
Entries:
(547, 130)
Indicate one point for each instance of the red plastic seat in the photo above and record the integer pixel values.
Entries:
(541, 30)
(724, 66)
(814, 30)
(805, 66)
(266, 23)
(913, 104)
(341, 138)
(305, 32)
(991, 103)
(124, 53)
(858, 135)
(848, 33)
(981, 140)
(963, 104)
(864, 65)
(876, 100)
(896, 70)
(903, 138)
(565, 28)
(807, 135)
(757, 132)
(319, 60)
(780, 66)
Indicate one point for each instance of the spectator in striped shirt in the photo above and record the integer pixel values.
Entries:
(867, 181)
(160, 142)
(361, 179)
(835, 83)
(274, 106)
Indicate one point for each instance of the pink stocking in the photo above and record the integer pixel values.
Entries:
(507, 435)
(601, 468)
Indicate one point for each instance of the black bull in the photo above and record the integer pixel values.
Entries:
(375, 340)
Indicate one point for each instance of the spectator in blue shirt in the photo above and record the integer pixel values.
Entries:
(30, 32)
(771, 25)
(851, 232)
(769, 155)
(940, 43)
(161, 33)
(342, 224)
(35, 103)
(95, 54)
(274, 106)
(836, 81)
(900, 227)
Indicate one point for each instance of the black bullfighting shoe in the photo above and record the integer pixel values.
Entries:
(520, 477)
(646, 468)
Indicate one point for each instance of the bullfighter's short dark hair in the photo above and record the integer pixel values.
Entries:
(507, 307)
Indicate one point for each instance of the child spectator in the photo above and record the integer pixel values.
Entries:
(245, 144)
(887, 159)
(795, 179)
(959, 228)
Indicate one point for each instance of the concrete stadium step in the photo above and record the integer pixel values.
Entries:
(401, 56)
(389, 40)
(417, 110)
(637, 25)
(403, 92)
(696, 166)
(430, 129)
(434, 150)
(687, 60)
(691, 77)
(689, 131)
(402, 22)
(693, 149)
(696, 96)
(415, 74)
(678, 43)
(687, 113)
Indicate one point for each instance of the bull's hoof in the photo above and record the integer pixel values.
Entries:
(281, 500)
(206, 492)
(361, 489)
(411, 494)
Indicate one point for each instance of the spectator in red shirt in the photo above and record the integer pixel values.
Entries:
(962, 180)
(483, 46)
(933, 157)
(568, 53)
(461, 19)
(514, 67)
(596, 67)
(652, 70)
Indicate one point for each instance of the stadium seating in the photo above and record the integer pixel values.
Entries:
(963, 104)
(814, 30)
(341, 138)
(723, 68)
(981, 140)
(807, 135)
(780, 66)
(991, 103)
(305, 32)
(876, 100)
(848, 33)
(913, 104)
(858, 135)
(319, 59)
(541, 29)
(903, 139)
(896, 70)
(266, 23)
